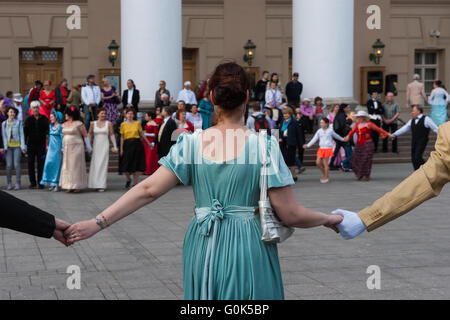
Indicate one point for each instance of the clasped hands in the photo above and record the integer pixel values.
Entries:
(68, 234)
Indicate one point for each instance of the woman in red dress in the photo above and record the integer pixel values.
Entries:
(159, 118)
(363, 154)
(151, 154)
(48, 100)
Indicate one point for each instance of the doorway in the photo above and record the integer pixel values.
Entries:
(190, 65)
(39, 64)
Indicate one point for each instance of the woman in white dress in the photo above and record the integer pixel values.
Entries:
(102, 131)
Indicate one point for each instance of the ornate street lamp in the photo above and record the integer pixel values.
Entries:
(378, 51)
(113, 52)
(249, 52)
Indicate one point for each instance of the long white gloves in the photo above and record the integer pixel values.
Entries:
(88, 145)
(351, 226)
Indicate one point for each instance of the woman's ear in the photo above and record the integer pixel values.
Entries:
(211, 98)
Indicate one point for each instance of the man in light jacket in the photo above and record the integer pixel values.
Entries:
(91, 97)
(415, 92)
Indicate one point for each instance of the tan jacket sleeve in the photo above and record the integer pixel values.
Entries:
(422, 185)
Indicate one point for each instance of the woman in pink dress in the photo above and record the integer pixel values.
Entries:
(48, 100)
(151, 153)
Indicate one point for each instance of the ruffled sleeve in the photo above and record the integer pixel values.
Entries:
(180, 158)
(279, 174)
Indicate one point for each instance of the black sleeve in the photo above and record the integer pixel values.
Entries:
(23, 217)
(58, 96)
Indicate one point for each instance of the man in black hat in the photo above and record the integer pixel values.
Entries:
(294, 91)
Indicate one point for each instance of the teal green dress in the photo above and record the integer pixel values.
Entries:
(223, 255)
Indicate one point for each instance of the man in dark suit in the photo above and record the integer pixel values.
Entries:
(166, 130)
(376, 111)
(130, 96)
(23, 217)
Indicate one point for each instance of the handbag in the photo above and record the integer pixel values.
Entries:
(272, 228)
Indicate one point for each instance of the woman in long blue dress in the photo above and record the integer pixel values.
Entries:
(206, 110)
(439, 99)
(53, 161)
(223, 255)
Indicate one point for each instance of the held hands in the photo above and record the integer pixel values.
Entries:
(351, 226)
(333, 221)
(305, 146)
(58, 234)
(81, 231)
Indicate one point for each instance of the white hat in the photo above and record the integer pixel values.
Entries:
(361, 114)
(17, 97)
(307, 99)
(187, 84)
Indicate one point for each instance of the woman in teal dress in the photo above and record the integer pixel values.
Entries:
(206, 110)
(53, 161)
(223, 255)
(439, 99)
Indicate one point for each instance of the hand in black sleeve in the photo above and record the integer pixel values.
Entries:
(23, 217)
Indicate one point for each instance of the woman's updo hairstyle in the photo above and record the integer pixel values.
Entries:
(229, 85)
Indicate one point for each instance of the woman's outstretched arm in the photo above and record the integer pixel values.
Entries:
(294, 215)
(141, 195)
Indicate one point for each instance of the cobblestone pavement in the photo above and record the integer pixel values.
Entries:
(140, 257)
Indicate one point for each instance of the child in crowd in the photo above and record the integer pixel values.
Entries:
(326, 135)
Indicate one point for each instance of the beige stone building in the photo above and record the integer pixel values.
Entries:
(35, 42)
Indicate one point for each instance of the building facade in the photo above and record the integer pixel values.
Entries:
(36, 43)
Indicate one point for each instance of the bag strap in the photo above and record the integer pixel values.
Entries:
(263, 148)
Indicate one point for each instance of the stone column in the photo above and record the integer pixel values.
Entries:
(323, 32)
(151, 46)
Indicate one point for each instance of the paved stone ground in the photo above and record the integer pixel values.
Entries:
(140, 257)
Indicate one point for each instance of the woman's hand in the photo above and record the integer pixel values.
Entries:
(81, 231)
(347, 139)
(114, 150)
(305, 146)
(333, 220)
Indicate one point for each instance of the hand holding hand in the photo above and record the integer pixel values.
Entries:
(333, 221)
(81, 231)
(58, 234)
(305, 146)
(351, 226)
(347, 139)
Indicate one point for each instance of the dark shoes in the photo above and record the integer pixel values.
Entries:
(128, 184)
(32, 187)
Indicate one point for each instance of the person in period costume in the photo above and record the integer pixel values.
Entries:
(325, 137)
(48, 100)
(53, 160)
(223, 255)
(425, 183)
(74, 99)
(151, 152)
(439, 100)
(62, 92)
(420, 125)
(131, 148)
(102, 131)
(110, 98)
(376, 112)
(363, 154)
(13, 145)
(206, 110)
(73, 173)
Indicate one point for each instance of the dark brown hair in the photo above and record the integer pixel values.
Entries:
(100, 110)
(229, 85)
(13, 109)
(131, 109)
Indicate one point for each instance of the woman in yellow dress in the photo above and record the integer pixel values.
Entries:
(131, 148)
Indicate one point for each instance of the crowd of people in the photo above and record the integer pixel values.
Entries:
(60, 128)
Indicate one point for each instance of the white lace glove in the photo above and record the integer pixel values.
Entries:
(351, 226)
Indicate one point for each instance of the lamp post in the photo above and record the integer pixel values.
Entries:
(113, 52)
(378, 51)
(249, 52)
